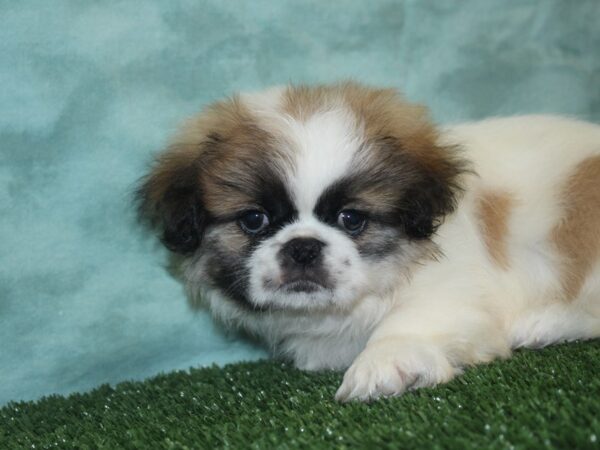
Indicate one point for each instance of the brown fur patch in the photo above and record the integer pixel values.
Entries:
(493, 212)
(577, 236)
(217, 166)
(225, 148)
(232, 147)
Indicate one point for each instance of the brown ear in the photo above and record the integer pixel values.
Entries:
(170, 200)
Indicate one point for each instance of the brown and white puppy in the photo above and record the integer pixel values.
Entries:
(342, 228)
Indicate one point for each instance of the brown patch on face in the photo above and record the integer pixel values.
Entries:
(193, 149)
(235, 152)
(219, 165)
(577, 236)
(241, 161)
(493, 212)
(390, 119)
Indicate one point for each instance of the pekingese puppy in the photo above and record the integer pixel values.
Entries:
(342, 228)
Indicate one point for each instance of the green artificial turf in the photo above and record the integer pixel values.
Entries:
(538, 399)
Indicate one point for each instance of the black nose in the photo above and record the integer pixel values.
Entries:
(303, 251)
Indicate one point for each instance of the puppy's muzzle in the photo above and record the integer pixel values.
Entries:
(301, 261)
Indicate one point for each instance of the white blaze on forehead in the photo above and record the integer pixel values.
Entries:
(325, 145)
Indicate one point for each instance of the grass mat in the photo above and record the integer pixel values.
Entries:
(538, 399)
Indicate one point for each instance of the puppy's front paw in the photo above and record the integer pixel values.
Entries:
(391, 366)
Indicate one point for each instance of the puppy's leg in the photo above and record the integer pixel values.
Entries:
(415, 347)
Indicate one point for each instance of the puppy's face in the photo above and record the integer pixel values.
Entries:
(302, 198)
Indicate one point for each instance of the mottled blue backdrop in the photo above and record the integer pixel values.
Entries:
(90, 90)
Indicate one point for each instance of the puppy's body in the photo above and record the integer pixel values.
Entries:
(400, 251)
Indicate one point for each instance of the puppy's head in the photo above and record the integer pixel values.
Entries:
(302, 197)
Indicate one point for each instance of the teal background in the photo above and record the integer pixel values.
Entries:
(89, 91)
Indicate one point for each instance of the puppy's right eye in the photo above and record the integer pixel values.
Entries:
(253, 222)
(352, 221)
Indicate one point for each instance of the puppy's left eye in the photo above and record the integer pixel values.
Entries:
(352, 221)
(253, 222)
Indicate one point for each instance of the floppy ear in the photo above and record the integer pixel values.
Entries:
(433, 192)
(425, 204)
(169, 198)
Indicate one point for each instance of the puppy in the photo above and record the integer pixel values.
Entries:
(338, 225)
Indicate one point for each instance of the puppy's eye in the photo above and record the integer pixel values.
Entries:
(253, 222)
(352, 221)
